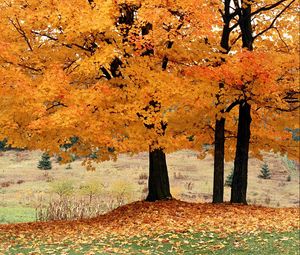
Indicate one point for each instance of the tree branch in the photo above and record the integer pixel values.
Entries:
(56, 104)
(64, 44)
(267, 7)
(274, 20)
(19, 29)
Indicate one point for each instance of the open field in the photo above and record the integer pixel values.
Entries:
(23, 186)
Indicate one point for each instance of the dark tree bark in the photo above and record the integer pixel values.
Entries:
(218, 188)
(218, 185)
(158, 182)
(240, 174)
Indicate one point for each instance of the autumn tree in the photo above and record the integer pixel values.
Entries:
(113, 80)
(249, 22)
(264, 79)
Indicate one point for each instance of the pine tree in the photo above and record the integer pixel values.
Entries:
(228, 181)
(265, 172)
(45, 163)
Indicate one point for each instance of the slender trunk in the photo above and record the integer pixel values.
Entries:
(158, 182)
(240, 174)
(218, 189)
(218, 186)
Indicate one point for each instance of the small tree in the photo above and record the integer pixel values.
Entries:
(265, 172)
(63, 188)
(91, 189)
(228, 181)
(45, 162)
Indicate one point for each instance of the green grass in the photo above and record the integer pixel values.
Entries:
(170, 243)
(15, 214)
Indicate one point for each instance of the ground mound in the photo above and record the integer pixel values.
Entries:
(165, 216)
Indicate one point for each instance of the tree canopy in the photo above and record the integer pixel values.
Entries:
(132, 74)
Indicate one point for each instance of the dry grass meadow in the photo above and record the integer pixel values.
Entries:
(23, 187)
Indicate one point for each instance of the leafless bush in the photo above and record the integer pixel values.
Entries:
(20, 156)
(145, 189)
(143, 176)
(267, 200)
(189, 185)
(281, 184)
(20, 181)
(179, 176)
(6, 184)
(141, 182)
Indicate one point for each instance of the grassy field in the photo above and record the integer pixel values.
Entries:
(173, 243)
(23, 187)
(10, 214)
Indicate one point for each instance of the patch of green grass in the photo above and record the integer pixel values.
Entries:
(170, 243)
(16, 214)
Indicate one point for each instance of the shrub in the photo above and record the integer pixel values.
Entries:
(3, 145)
(143, 176)
(69, 208)
(91, 189)
(68, 167)
(6, 184)
(290, 164)
(141, 182)
(267, 200)
(179, 176)
(45, 163)
(122, 191)
(145, 190)
(62, 188)
(189, 185)
(265, 172)
(289, 178)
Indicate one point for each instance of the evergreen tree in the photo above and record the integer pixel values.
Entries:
(265, 172)
(228, 181)
(45, 163)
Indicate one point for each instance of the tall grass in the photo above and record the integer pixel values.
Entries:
(87, 201)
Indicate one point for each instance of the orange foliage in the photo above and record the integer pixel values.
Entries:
(90, 70)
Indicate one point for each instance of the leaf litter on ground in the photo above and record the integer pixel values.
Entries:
(173, 224)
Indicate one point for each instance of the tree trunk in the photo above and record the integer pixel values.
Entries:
(158, 182)
(240, 174)
(218, 189)
(218, 186)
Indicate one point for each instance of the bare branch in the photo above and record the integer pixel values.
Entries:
(268, 7)
(64, 44)
(55, 104)
(19, 29)
(25, 66)
(281, 39)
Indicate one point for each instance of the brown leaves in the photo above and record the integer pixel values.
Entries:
(145, 218)
(168, 227)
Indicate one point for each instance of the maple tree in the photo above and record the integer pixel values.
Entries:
(261, 76)
(108, 80)
(280, 83)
